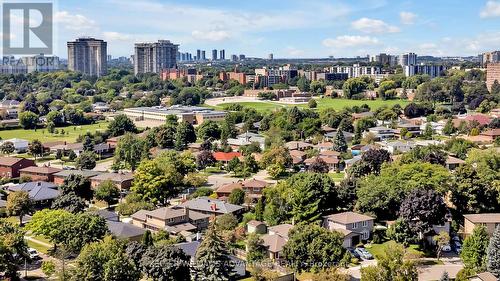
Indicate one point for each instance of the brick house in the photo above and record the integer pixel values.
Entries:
(10, 166)
(39, 173)
(172, 220)
(59, 177)
(121, 180)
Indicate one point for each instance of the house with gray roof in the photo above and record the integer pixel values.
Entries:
(42, 193)
(211, 206)
(173, 220)
(125, 230)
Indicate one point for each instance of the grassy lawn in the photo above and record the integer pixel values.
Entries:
(377, 250)
(72, 132)
(323, 103)
(39, 247)
(337, 176)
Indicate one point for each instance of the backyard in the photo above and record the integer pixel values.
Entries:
(70, 133)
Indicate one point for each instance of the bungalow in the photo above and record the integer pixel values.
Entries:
(333, 163)
(121, 180)
(298, 145)
(398, 146)
(125, 231)
(381, 133)
(297, 156)
(206, 205)
(36, 173)
(355, 227)
(226, 156)
(40, 192)
(59, 177)
(20, 145)
(10, 166)
(489, 220)
(332, 135)
(247, 139)
(452, 162)
(77, 148)
(174, 220)
(491, 134)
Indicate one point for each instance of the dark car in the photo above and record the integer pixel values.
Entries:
(353, 253)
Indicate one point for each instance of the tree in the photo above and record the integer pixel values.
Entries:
(120, 125)
(493, 256)
(72, 155)
(184, 135)
(13, 249)
(423, 208)
(7, 148)
(147, 239)
(226, 222)
(105, 260)
(352, 87)
(318, 166)
(400, 232)
(428, 132)
(79, 185)
(374, 158)
(276, 170)
(86, 160)
(59, 154)
(130, 150)
(449, 128)
(201, 192)
(259, 209)
(165, 263)
(339, 143)
(209, 130)
(35, 148)
(312, 103)
(28, 120)
(19, 204)
(311, 246)
(303, 84)
(277, 155)
(237, 197)
(205, 159)
(107, 191)
(442, 239)
(256, 251)
(212, 258)
(474, 249)
(391, 265)
(69, 202)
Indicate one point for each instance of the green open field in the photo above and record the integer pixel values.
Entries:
(336, 104)
(71, 133)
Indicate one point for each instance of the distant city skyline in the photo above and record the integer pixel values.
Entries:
(311, 29)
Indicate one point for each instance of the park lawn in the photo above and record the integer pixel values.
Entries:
(323, 103)
(72, 132)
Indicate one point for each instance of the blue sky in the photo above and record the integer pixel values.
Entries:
(291, 28)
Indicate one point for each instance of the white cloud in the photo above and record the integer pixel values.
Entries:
(74, 22)
(367, 25)
(407, 17)
(492, 9)
(294, 52)
(348, 41)
(116, 36)
(212, 35)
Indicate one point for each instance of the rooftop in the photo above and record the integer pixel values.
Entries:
(205, 204)
(40, 170)
(483, 218)
(115, 177)
(9, 161)
(84, 173)
(348, 217)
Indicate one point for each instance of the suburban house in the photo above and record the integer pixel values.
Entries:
(209, 206)
(190, 248)
(122, 181)
(20, 145)
(36, 173)
(253, 188)
(489, 220)
(297, 156)
(172, 220)
(255, 226)
(59, 177)
(298, 145)
(355, 227)
(247, 139)
(275, 240)
(332, 135)
(10, 166)
(491, 135)
(125, 231)
(381, 133)
(483, 276)
(40, 192)
(414, 129)
(225, 157)
(452, 162)
(100, 149)
(333, 163)
(398, 146)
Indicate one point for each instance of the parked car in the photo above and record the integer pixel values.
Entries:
(364, 254)
(353, 252)
(457, 247)
(33, 254)
(455, 238)
(446, 248)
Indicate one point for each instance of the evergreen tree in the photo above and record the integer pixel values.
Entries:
(474, 249)
(259, 210)
(212, 258)
(339, 143)
(147, 239)
(428, 131)
(493, 264)
(357, 136)
(448, 127)
(88, 142)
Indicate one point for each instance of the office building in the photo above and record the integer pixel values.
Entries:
(88, 56)
(490, 57)
(492, 74)
(408, 59)
(222, 54)
(154, 57)
(198, 54)
(214, 54)
(203, 55)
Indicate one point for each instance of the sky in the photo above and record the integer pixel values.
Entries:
(286, 28)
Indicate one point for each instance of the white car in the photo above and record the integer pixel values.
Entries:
(33, 254)
(446, 248)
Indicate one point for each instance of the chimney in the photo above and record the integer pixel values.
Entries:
(213, 207)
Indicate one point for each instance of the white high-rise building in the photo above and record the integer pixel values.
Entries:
(408, 59)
